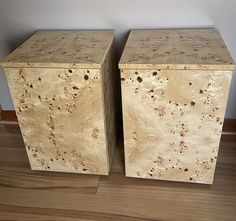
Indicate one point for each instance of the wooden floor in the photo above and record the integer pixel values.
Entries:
(34, 195)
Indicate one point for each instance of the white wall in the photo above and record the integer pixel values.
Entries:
(20, 18)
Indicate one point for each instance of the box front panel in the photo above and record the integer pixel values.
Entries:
(61, 118)
(172, 123)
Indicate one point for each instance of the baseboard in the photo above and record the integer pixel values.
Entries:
(8, 115)
(0, 112)
(229, 124)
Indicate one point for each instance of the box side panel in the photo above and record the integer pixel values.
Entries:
(61, 118)
(108, 75)
(173, 122)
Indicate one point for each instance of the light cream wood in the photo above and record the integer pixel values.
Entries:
(67, 116)
(173, 113)
(176, 49)
(62, 49)
(117, 198)
(173, 122)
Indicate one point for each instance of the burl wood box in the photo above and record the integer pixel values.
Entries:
(62, 86)
(175, 85)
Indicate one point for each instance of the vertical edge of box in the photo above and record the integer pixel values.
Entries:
(107, 71)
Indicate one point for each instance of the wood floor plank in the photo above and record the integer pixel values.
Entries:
(62, 214)
(11, 216)
(35, 195)
(134, 203)
(24, 178)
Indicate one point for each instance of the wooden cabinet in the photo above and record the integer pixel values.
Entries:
(175, 85)
(61, 83)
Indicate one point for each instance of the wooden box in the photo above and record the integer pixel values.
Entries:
(61, 83)
(175, 85)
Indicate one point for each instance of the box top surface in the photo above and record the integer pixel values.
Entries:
(62, 49)
(176, 49)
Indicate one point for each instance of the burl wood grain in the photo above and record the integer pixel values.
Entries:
(176, 49)
(175, 86)
(64, 49)
(173, 122)
(62, 86)
(60, 112)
